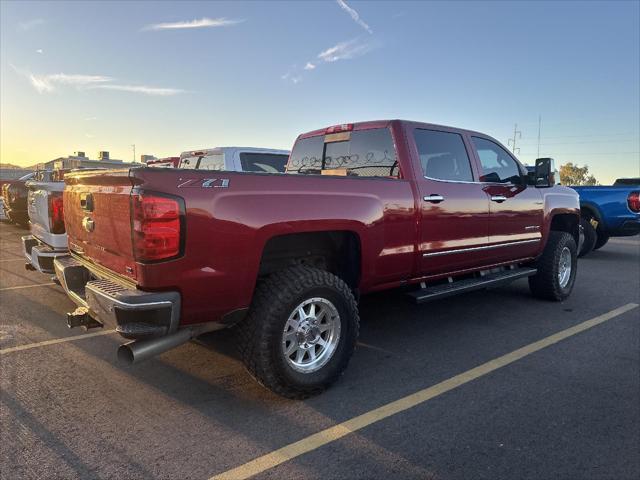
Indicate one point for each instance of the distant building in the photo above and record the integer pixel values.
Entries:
(79, 159)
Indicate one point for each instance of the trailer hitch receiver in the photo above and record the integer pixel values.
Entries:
(80, 318)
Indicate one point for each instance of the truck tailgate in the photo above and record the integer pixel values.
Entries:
(97, 211)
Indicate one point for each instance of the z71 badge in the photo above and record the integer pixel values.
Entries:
(203, 183)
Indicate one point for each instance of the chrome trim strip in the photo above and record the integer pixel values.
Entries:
(449, 181)
(484, 247)
(131, 306)
(474, 182)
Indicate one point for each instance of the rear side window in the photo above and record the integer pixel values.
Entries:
(363, 153)
(497, 165)
(211, 162)
(443, 155)
(263, 162)
(204, 161)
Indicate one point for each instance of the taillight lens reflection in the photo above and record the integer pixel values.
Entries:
(633, 200)
(56, 213)
(156, 226)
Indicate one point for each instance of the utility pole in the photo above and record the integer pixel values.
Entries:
(539, 130)
(134, 152)
(517, 134)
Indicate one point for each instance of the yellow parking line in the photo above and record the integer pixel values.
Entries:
(336, 432)
(27, 286)
(29, 346)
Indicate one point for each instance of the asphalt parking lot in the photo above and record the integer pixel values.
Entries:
(567, 408)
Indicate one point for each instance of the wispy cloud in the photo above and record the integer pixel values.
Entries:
(31, 24)
(354, 15)
(201, 23)
(292, 76)
(40, 51)
(144, 89)
(48, 83)
(346, 51)
(341, 51)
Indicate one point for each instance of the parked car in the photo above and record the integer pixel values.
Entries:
(14, 199)
(236, 159)
(165, 255)
(48, 239)
(608, 211)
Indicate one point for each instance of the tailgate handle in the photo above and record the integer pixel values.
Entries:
(86, 202)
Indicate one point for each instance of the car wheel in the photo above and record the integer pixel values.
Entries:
(300, 332)
(590, 236)
(557, 268)
(601, 241)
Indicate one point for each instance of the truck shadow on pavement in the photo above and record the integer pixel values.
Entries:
(50, 441)
(403, 348)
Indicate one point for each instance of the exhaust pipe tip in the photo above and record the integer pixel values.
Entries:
(125, 354)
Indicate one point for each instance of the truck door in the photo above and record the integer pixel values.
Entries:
(454, 227)
(515, 208)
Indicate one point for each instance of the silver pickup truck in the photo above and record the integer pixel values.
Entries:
(48, 239)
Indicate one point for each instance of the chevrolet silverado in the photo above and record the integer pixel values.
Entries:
(164, 255)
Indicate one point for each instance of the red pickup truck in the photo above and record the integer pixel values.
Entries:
(165, 255)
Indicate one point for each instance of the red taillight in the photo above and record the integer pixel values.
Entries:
(345, 127)
(56, 213)
(633, 200)
(156, 226)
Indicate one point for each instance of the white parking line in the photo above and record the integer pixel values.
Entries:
(26, 286)
(324, 437)
(29, 346)
(12, 259)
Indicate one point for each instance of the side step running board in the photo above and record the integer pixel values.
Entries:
(437, 292)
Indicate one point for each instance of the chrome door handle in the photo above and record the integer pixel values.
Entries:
(433, 198)
(498, 198)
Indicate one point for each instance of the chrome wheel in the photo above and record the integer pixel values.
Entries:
(564, 268)
(311, 335)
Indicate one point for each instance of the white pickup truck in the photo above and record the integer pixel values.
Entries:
(48, 239)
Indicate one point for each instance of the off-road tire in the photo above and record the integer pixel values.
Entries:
(602, 240)
(545, 284)
(260, 333)
(590, 236)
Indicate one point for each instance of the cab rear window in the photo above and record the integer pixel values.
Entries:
(362, 153)
(263, 162)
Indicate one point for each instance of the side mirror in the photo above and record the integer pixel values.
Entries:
(544, 173)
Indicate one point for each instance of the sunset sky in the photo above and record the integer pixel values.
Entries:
(169, 77)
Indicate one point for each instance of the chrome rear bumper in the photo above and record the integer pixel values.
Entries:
(39, 255)
(134, 313)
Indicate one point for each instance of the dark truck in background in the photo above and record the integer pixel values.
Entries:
(164, 255)
(14, 199)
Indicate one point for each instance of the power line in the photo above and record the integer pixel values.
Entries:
(579, 143)
(539, 130)
(589, 153)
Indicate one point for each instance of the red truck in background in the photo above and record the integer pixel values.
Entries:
(165, 255)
